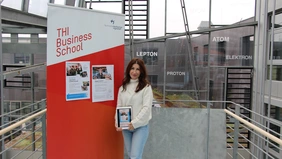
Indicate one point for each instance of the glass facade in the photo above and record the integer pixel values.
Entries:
(170, 71)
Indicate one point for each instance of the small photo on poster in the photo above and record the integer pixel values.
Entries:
(101, 73)
(77, 80)
(102, 83)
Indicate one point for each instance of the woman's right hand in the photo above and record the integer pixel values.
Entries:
(117, 128)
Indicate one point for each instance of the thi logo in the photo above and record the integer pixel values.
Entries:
(112, 21)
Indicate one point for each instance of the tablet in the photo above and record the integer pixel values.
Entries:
(123, 117)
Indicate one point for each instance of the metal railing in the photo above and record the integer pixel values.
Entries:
(257, 131)
(24, 134)
(19, 143)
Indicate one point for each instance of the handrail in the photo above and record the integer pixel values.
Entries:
(13, 126)
(266, 134)
(26, 69)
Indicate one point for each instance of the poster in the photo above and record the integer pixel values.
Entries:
(95, 39)
(102, 83)
(77, 80)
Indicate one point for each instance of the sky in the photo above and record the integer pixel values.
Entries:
(223, 12)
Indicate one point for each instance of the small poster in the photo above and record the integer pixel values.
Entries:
(123, 117)
(77, 80)
(102, 83)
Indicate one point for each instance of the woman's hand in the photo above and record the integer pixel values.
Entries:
(117, 128)
(130, 126)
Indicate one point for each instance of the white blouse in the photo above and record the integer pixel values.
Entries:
(141, 102)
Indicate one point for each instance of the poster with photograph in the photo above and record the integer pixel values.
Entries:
(77, 80)
(123, 117)
(102, 83)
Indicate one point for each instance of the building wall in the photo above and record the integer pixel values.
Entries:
(263, 87)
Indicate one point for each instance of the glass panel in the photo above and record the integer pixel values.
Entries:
(278, 20)
(179, 76)
(197, 15)
(38, 7)
(15, 106)
(40, 79)
(276, 72)
(232, 47)
(275, 113)
(63, 2)
(27, 108)
(156, 21)
(21, 58)
(216, 86)
(39, 95)
(15, 4)
(277, 46)
(109, 7)
(153, 54)
(23, 38)
(230, 12)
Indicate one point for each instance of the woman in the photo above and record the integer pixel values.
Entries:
(136, 92)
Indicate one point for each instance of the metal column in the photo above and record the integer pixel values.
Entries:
(130, 14)
(1, 85)
(191, 61)
(270, 73)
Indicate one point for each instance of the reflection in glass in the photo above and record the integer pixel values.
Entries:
(278, 21)
(38, 7)
(275, 113)
(206, 55)
(197, 12)
(247, 49)
(221, 48)
(231, 47)
(63, 2)
(225, 12)
(277, 47)
(276, 72)
(15, 4)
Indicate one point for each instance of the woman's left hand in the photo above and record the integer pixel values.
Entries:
(130, 126)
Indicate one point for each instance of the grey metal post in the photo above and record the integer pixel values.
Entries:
(1, 85)
(270, 73)
(208, 104)
(209, 43)
(258, 11)
(164, 82)
(225, 89)
(90, 5)
(44, 131)
(32, 101)
(131, 36)
(208, 131)
(148, 17)
(236, 132)
(25, 5)
(34, 39)
(262, 77)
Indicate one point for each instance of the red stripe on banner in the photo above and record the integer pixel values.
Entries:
(82, 129)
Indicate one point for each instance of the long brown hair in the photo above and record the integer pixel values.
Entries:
(143, 81)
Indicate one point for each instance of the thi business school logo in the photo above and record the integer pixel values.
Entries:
(112, 25)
